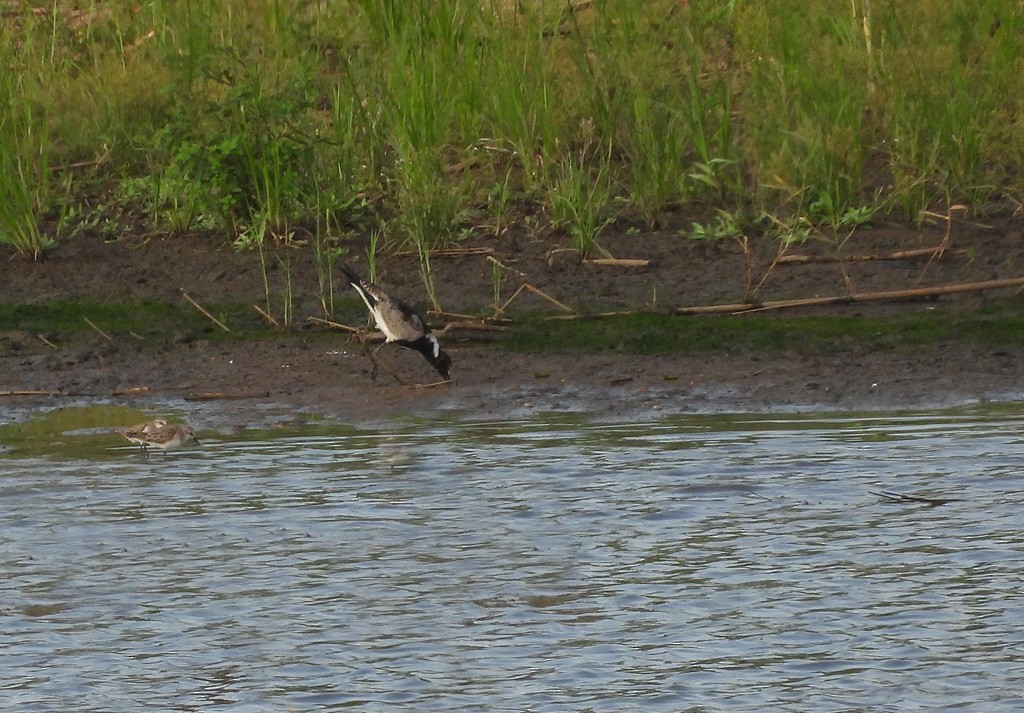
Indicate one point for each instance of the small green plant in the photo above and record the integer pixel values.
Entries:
(499, 204)
(726, 225)
(580, 199)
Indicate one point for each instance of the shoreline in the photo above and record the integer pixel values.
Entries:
(235, 386)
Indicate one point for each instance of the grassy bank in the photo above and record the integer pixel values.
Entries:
(419, 122)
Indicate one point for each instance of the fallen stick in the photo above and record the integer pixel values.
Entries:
(101, 332)
(205, 312)
(267, 316)
(898, 255)
(594, 315)
(503, 266)
(540, 293)
(47, 342)
(472, 326)
(335, 325)
(216, 395)
(886, 296)
(617, 262)
(447, 252)
(28, 392)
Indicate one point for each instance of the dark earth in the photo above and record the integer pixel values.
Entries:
(314, 370)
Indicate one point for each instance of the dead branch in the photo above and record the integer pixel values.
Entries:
(885, 296)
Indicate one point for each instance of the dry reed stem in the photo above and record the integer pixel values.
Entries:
(47, 342)
(204, 311)
(335, 325)
(897, 255)
(526, 286)
(101, 332)
(503, 266)
(267, 316)
(617, 262)
(885, 296)
(432, 385)
(447, 252)
(945, 240)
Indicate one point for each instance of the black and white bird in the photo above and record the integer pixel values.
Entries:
(400, 323)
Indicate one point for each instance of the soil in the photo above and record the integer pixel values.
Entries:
(317, 370)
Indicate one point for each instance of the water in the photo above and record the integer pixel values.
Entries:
(549, 564)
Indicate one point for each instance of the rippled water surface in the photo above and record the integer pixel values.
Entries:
(697, 563)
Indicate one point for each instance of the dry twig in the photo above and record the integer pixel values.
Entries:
(204, 311)
(617, 262)
(334, 325)
(527, 287)
(267, 316)
(101, 332)
(886, 296)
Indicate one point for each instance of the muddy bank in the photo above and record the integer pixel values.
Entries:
(245, 385)
(315, 370)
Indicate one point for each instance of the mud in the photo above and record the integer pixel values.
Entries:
(317, 372)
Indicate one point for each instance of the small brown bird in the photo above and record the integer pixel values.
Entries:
(400, 323)
(157, 434)
(139, 433)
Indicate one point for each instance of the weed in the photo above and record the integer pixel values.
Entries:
(25, 172)
(725, 226)
(580, 199)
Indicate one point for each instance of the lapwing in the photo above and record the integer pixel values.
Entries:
(400, 323)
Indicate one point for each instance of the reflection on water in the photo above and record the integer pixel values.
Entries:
(699, 563)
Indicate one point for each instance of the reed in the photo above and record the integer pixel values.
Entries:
(251, 113)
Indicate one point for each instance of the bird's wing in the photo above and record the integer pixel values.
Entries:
(403, 322)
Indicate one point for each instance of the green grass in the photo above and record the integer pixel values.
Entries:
(655, 334)
(266, 117)
(147, 322)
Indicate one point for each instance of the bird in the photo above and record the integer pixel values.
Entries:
(140, 432)
(401, 324)
(158, 434)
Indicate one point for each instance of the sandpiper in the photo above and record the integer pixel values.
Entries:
(158, 434)
(400, 323)
(139, 433)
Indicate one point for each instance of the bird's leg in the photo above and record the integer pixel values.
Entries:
(372, 356)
